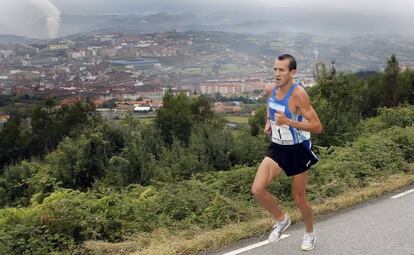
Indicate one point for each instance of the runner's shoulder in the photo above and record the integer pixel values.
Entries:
(300, 93)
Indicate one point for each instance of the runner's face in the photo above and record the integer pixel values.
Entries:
(282, 74)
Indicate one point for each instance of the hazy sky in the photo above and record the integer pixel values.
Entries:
(42, 18)
(382, 7)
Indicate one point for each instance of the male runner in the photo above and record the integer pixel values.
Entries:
(290, 120)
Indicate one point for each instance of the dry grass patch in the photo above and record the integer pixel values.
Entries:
(193, 241)
(354, 197)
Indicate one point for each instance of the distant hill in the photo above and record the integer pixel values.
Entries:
(330, 21)
(158, 22)
(10, 39)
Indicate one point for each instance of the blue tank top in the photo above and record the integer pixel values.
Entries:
(284, 134)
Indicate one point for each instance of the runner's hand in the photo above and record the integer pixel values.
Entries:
(280, 118)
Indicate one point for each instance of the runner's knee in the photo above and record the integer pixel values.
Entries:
(300, 200)
(258, 190)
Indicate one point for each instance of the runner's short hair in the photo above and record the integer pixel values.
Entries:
(292, 61)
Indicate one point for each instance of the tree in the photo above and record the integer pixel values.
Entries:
(339, 104)
(17, 184)
(44, 132)
(212, 146)
(391, 79)
(375, 94)
(412, 92)
(10, 134)
(332, 70)
(321, 71)
(174, 119)
(248, 150)
(201, 109)
(258, 121)
(49, 103)
(406, 80)
(78, 163)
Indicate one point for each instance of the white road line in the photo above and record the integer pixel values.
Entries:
(402, 194)
(251, 247)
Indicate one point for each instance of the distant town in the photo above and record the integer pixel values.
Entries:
(131, 72)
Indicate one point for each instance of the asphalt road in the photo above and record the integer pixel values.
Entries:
(380, 226)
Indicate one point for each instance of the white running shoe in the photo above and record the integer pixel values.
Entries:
(309, 240)
(278, 229)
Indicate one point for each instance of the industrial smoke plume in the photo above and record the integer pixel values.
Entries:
(53, 16)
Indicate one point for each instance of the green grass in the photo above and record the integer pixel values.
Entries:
(26, 106)
(146, 119)
(232, 68)
(237, 119)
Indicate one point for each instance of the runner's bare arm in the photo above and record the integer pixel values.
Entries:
(305, 108)
(268, 91)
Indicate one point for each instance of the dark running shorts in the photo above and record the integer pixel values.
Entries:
(293, 159)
